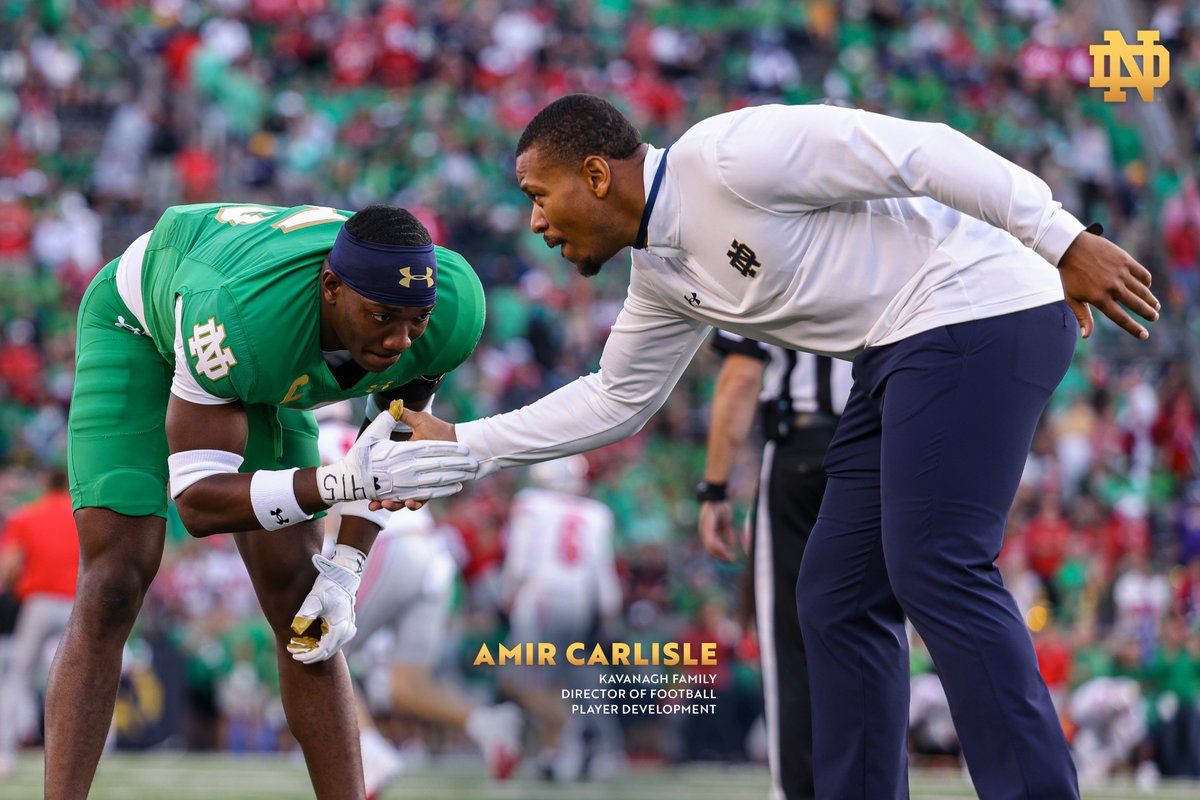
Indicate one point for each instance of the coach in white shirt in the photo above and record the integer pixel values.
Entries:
(927, 259)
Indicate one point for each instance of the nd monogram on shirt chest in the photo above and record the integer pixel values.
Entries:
(735, 278)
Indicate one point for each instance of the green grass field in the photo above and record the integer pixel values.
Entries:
(224, 777)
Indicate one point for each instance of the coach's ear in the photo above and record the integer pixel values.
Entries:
(598, 175)
(427, 426)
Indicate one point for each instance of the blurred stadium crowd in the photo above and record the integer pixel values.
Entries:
(111, 110)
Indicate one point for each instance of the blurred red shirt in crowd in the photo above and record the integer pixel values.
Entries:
(1046, 539)
(16, 229)
(43, 533)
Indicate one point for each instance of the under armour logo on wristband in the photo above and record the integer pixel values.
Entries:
(279, 517)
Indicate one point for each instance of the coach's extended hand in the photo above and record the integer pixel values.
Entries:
(388, 473)
(425, 427)
(428, 427)
(1096, 272)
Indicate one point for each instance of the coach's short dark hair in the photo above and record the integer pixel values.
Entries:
(580, 125)
(388, 225)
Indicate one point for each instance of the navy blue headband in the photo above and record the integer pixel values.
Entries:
(390, 274)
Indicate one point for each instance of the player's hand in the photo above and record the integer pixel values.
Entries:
(427, 428)
(716, 529)
(419, 470)
(325, 620)
(350, 479)
(377, 468)
(1096, 272)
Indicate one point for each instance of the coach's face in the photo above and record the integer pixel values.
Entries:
(569, 208)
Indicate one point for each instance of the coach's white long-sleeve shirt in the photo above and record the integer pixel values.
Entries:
(811, 227)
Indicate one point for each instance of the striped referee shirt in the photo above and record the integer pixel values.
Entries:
(807, 382)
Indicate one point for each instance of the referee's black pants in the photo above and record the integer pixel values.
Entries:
(922, 472)
(789, 498)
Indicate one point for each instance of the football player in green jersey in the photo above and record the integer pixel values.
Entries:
(198, 352)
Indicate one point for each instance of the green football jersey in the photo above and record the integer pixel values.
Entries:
(249, 276)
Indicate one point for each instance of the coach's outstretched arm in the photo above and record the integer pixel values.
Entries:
(647, 351)
(207, 443)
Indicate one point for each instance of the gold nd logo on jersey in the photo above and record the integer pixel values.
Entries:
(1108, 59)
(205, 344)
(407, 277)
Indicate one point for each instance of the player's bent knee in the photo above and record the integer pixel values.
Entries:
(110, 599)
(281, 599)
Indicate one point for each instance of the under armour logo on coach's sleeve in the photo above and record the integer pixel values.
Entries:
(692, 301)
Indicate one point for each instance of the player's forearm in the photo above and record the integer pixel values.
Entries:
(358, 532)
(223, 503)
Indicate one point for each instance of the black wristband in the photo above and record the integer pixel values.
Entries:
(711, 492)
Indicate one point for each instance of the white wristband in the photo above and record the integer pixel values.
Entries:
(349, 557)
(273, 498)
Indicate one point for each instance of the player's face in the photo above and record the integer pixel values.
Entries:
(568, 209)
(376, 335)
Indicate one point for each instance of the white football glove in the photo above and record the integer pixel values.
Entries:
(331, 604)
(377, 468)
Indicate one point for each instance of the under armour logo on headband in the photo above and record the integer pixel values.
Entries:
(370, 268)
(407, 277)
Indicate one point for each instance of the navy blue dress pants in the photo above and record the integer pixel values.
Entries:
(922, 471)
